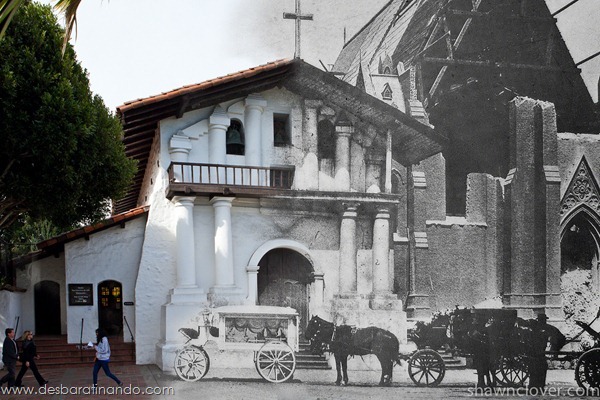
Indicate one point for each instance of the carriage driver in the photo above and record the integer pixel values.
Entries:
(543, 334)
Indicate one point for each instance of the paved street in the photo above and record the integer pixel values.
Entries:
(246, 384)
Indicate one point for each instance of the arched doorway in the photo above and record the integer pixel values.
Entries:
(46, 299)
(580, 283)
(110, 307)
(284, 278)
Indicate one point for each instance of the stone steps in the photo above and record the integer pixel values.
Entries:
(306, 360)
(54, 351)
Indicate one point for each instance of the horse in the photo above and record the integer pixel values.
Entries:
(344, 341)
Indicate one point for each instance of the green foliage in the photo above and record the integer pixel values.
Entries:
(26, 235)
(61, 157)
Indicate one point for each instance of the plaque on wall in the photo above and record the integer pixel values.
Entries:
(81, 294)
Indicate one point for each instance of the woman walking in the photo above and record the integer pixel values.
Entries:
(103, 357)
(28, 360)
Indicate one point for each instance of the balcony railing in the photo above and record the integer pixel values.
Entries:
(219, 178)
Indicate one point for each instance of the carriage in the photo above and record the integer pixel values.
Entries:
(269, 334)
(508, 350)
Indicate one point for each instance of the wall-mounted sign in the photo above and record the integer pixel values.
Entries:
(128, 303)
(81, 294)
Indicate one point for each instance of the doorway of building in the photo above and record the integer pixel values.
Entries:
(46, 299)
(284, 280)
(110, 307)
(580, 281)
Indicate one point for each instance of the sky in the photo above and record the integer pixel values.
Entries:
(138, 48)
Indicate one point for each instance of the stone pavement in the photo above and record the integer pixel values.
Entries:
(234, 384)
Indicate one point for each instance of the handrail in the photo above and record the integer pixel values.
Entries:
(128, 328)
(81, 341)
(231, 175)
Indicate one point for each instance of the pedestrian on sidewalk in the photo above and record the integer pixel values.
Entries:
(10, 356)
(103, 357)
(28, 357)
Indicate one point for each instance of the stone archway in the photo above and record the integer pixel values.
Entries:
(284, 279)
(580, 256)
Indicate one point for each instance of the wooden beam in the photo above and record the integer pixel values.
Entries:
(500, 65)
(183, 103)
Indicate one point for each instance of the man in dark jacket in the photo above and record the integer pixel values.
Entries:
(10, 355)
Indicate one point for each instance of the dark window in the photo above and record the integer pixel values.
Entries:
(282, 177)
(326, 140)
(387, 92)
(281, 130)
(235, 138)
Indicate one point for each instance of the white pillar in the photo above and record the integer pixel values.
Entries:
(373, 173)
(255, 106)
(343, 131)
(179, 150)
(310, 166)
(388, 163)
(223, 242)
(381, 252)
(217, 146)
(186, 266)
(347, 268)
(252, 271)
(217, 129)
(319, 289)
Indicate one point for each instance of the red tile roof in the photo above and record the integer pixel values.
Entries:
(129, 105)
(60, 240)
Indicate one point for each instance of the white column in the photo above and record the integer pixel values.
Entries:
(186, 266)
(217, 146)
(179, 150)
(347, 268)
(310, 167)
(343, 131)
(373, 173)
(319, 288)
(255, 105)
(388, 163)
(381, 252)
(252, 271)
(223, 242)
(217, 128)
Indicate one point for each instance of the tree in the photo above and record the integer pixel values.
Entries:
(61, 156)
(68, 8)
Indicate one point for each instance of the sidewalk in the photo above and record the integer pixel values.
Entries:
(234, 383)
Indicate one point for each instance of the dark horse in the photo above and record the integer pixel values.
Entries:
(344, 341)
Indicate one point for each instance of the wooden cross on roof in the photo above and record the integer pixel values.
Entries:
(298, 16)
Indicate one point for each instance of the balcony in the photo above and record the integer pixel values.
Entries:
(186, 179)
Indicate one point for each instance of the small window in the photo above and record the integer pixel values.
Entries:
(281, 130)
(235, 138)
(387, 92)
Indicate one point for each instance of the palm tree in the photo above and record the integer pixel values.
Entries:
(68, 8)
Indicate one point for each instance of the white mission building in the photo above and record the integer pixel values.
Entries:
(278, 185)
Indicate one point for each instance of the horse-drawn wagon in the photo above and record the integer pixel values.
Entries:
(270, 334)
(508, 348)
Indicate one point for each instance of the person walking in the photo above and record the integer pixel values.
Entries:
(10, 356)
(28, 357)
(103, 357)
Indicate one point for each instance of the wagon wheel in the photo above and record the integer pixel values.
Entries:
(191, 363)
(426, 367)
(275, 362)
(587, 369)
(513, 370)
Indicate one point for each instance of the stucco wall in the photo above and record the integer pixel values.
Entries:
(47, 269)
(112, 254)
